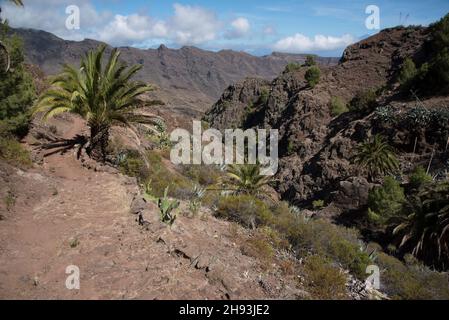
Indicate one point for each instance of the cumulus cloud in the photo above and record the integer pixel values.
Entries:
(193, 25)
(189, 25)
(240, 28)
(49, 15)
(131, 29)
(300, 43)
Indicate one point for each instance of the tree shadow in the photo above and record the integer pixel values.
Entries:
(62, 146)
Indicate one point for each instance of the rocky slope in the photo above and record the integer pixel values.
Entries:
(65, 212)
(316, 148)
(189, 79)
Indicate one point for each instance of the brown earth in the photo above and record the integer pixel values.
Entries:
(65, 214)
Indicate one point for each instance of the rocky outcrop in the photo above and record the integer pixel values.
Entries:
(316, 148)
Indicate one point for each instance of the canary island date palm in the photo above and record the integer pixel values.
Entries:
(105, 95)
(5, 61)
(377, 157)
(424, 229)
(246, 179)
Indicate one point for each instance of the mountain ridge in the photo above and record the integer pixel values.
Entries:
(189, 78)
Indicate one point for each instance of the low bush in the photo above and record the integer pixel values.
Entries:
(14, 153)
(160, 177)
(363, 101)
(310, 61)
(306, 236)
(291, 67)
(312, 76)
(245, 209)
(262, 244)
(133, 165)
(323, 280)
(318, 204)
(338, 106)
(411, 281)
(386, 201)
(407, 74)
(419, 176)
(204, 175)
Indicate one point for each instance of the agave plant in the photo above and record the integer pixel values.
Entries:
(385, 114)
(105, 95)
(196, 199)
(167, 207)
(246, 179)
(377, 157)
(425, 230)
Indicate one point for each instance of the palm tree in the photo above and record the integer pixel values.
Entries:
(377, 157)
(246, 179)
(425, 231)
(4, 54)
(103, 95)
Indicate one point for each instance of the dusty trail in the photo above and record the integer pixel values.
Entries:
(65, 214)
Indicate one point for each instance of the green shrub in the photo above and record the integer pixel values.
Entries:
(264, 95)
(336, 243)
(204, 175)
(318, 204)
(291, 67)
(261, 245)
(419, 176)
(160, 177)
(9, 200)
(386, 202)
(310, 61)
(338, 106)
(14, 153)
(133, 165)
(245, 209)
(411, 282)
(433, 75)
(323, 280)
(407, 73)
(17, 91)
(363, 101)
(312, 76)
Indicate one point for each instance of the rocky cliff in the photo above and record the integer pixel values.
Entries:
(317, 148)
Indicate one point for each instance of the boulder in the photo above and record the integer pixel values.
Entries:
(352, 193)
(138, 204)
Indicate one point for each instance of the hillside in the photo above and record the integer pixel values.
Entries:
(87, 179)
(189, 79)
(316, 147)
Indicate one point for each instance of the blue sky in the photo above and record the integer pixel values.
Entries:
(259, 27)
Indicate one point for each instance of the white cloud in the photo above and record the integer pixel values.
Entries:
(269, 31)
(240, 27)
(193, 25)
(300, 43)
(128, 30)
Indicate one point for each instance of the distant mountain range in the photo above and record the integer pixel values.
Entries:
(189, 79)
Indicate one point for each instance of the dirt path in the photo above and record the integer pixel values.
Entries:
(65, 214)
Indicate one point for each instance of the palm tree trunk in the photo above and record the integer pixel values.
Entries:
(99, 139)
